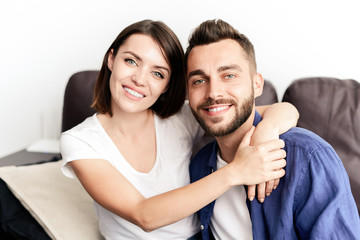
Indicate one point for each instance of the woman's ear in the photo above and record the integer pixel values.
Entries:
(167, 87)
(258, 82)
(110, 62)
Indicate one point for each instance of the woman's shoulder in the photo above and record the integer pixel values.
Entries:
(84, 141)
(183, 122)
(185, 112)
(88, 126)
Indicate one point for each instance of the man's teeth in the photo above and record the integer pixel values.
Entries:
(217, 109)
(132, 92)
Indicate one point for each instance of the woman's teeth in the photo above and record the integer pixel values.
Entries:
(132, 92)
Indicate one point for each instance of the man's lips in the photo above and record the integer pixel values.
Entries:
(216, 110)
(216, 106)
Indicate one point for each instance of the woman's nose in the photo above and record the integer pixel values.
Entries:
(139, 77)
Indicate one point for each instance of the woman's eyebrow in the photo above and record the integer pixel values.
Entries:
(164, 68)
(139, 58)
(134, 54)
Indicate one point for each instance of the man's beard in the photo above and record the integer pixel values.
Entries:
(242, 114)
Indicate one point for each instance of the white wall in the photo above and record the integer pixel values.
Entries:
(44, 42)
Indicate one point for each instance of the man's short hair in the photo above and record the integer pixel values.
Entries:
(212, 31)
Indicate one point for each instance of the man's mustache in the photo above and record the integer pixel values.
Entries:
(211, 101)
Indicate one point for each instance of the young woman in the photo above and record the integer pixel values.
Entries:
(132, 156)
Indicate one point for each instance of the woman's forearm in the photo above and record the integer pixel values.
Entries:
(177, 204)
(280, 116)
(109, 188)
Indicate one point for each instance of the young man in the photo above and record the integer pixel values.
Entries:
(312, 201)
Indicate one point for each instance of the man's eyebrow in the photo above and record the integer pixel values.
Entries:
(220, 69)
(227, 67)
(196, 72)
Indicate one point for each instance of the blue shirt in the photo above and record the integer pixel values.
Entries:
(312, 201)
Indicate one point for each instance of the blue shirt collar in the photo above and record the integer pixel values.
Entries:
(257, 118)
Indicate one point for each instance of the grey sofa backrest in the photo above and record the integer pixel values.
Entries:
(78, 98)
(331, 108)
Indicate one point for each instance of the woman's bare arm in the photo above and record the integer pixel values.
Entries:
(277, 119)
(108, 187)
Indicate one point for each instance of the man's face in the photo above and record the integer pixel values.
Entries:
(221, 92)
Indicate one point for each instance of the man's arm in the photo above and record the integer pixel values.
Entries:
(324, 205)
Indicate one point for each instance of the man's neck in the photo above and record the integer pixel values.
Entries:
(229, 144)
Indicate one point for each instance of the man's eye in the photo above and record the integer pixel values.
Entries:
(130, 61)
(197, 82)
(159, 75)
(230, 76)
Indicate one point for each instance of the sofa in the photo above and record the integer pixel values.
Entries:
(330, 107)
(58, 208)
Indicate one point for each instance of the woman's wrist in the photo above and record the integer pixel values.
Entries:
(233, 175)
(227, 173)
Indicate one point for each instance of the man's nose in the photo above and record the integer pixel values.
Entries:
(215, 89)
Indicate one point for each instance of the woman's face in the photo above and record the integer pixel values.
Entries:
(140, 74)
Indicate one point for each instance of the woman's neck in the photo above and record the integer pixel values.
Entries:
(126, 124)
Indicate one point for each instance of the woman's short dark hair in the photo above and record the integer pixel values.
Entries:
(212, 31)
(173, 98)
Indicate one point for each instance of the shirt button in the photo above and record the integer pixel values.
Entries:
(202, 227)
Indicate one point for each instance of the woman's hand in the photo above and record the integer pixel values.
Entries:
(257, 164)
(277, 119)
(264, 132)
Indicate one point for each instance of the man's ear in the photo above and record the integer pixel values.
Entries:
(110, 62)
(258, 82)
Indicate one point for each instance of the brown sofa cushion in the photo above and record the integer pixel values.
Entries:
(268, 96)
(78, 98)
(331, 108)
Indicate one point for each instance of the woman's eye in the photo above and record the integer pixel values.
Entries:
(159, 75)
(130, 61)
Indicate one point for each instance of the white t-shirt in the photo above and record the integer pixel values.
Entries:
(231, 218)
(174, 136)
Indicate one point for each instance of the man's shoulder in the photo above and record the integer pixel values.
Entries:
(298, 137)
(202, 163)
(205, 152)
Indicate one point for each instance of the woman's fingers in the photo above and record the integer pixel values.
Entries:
(247, 138)
(275, 155)
(279, 173)
(277, 164)
(269, 187)
(271, 145)
(261, 192)
(251, 192)
(276, 183)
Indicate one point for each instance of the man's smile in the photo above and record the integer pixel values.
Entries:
(216, 110)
